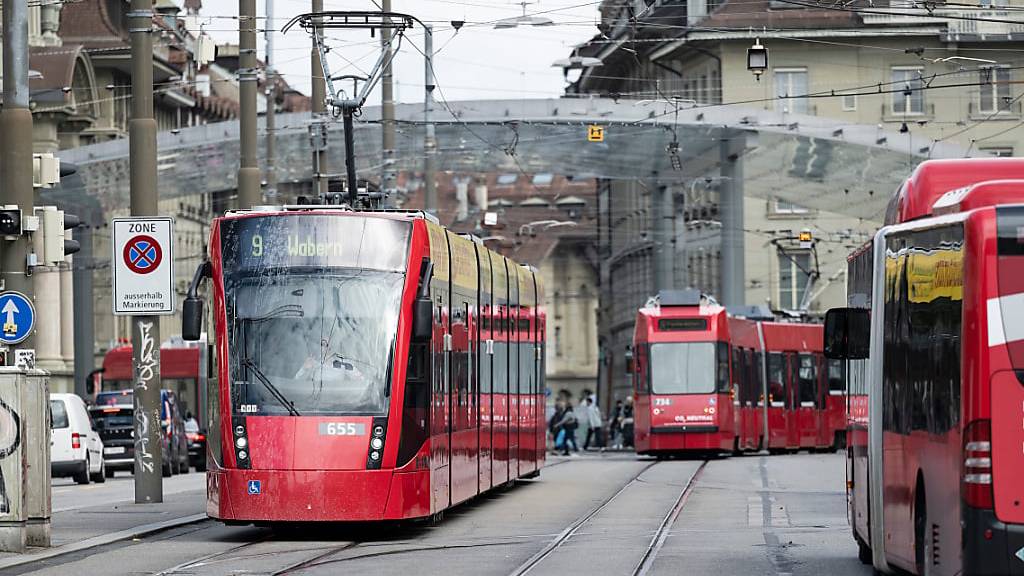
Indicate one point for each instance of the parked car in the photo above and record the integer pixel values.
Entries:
(113, 413)
(76, 449)
(196, 444)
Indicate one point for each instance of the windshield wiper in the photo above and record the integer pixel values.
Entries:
(270, 386)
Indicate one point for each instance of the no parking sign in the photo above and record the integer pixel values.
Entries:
(143, 265)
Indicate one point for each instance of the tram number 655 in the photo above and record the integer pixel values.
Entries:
(342, 429)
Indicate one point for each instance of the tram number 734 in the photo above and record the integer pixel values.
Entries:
(342, 429)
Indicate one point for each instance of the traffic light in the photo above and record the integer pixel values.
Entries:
(51, 243)
(10, 222)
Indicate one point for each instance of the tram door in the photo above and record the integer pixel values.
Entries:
(484, 357)
(440, 417)
(792, 401)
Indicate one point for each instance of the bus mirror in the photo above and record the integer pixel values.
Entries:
(847, 333)
(191, 319)
(422, 319)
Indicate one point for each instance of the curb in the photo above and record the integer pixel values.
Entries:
(102, 540)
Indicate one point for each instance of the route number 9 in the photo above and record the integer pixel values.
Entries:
(257, 245)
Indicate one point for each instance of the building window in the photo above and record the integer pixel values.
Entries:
(507, 179)
(558, 341)
(993, 3)
(791, 89)
(994, 92)
(793, 278)
(543, 179)
(716, 88)
(910, 98)
(785, 208)
(849, 102)
(999, 151)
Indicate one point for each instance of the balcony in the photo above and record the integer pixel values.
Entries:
(960, 25)
(1011, 111)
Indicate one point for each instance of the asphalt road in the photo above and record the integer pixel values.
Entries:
(595, 514)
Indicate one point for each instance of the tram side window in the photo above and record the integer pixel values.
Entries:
(776, 377)
(737, 370)
(836, 376)
(723, 368)
(641, 372)
(758, 379)
(807, 378)
(749, 390)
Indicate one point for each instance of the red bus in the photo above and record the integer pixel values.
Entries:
(701, 376)
(935, 350)
(370, 366)
(183, 369)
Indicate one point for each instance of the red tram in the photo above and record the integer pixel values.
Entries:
(370, 366)
(701, 377)
(935, 348)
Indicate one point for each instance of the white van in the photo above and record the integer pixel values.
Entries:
(75, 448)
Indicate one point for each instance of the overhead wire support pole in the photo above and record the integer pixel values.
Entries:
(270, 85)
(248, 171)
(387, 113)
(145, 329)
(319, 108)
(429, 138)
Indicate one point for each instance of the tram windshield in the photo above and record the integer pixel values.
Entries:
(311, 331)
(683, 368)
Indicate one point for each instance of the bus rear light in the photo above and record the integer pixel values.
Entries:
(977, 471)
(76, 440)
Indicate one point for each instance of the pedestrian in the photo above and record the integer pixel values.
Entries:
(569, 423)
(593, 416)
(554, 426)
(615, 426)
(627, 423)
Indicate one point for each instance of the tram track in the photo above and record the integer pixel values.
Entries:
(647, 560)
(657, 540)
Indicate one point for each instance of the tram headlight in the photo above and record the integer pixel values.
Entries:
(242, 455)
(241, 442)
(374, 455)
(376, 443)
(239, 430)
(378, 430)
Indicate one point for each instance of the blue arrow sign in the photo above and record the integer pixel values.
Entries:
(17, 317)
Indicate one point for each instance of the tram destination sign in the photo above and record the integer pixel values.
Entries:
(143, 265)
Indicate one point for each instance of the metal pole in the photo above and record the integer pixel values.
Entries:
(429, 142)
(145, 329)
(271, 87)
(731, 201)
(16, 145)
(663, 209)
(387, 111)
(83, 305)
(319, 90)
(248, 171)
(350, 155)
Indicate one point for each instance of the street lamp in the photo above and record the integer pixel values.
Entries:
(577, 62)
(757, 59)
(524, 19)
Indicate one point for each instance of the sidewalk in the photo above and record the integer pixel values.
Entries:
(87, 527)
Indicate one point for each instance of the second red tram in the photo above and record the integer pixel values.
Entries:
(370, 366)
(701, 377)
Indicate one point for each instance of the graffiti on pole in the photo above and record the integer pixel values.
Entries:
(10, 438)
(146, 371)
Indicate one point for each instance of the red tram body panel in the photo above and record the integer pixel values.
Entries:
(327, 407)
(701, 377)
(936, 402)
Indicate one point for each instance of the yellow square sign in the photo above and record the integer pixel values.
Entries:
(595, 133)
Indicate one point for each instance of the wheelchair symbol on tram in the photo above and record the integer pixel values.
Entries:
(255, 487)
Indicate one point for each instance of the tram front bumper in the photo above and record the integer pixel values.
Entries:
(698, 438)
(257, 496)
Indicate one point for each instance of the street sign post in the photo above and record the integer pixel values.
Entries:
(143, 264)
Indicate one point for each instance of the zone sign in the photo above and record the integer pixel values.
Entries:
(143, 259)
